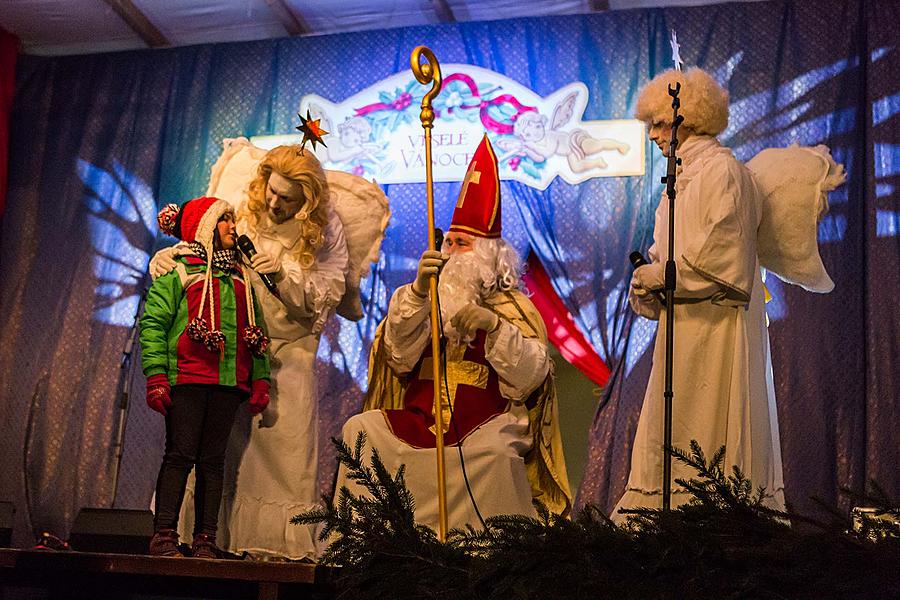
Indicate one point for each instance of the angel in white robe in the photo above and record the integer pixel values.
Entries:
(722, 373)
(723, 391)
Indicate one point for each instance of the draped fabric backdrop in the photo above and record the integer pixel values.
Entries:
(98, 142)
(9, 50)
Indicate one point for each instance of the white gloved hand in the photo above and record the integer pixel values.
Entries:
(648, 278)
(644, 303)
(430, 264)
(471, 317)
(265, 263)
(163, 261)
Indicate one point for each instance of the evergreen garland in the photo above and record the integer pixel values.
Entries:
(724, 543)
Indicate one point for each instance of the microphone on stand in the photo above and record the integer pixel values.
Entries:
(637, 260)
(249, 250)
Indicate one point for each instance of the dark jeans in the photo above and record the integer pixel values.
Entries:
(197, 429)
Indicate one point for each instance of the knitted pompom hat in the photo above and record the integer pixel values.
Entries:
(194, 221)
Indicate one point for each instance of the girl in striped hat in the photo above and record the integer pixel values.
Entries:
(203, 354)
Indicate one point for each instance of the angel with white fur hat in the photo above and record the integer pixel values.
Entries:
(731, 221)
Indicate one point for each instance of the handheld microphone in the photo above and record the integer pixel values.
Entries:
(637, 260)
(438, 238)
(249, 250)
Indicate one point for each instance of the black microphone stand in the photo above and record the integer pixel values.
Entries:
(671, 165)
(126, 377)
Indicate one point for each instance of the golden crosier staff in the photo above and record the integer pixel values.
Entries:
(430, 72)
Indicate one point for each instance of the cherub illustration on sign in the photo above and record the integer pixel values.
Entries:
(353, 145)
(534, 140)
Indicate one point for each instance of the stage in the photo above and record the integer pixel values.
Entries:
(27, 574)
(96, 144)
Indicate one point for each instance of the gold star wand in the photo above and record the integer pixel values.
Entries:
(312, 131)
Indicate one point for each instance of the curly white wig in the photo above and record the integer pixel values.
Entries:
(503, 263)
(704, 104)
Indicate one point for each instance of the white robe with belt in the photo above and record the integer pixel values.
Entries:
(723, 392)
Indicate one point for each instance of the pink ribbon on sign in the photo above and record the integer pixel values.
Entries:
(401, 103)
(490, 123)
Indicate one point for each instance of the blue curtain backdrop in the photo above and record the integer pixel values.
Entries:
(98, 142)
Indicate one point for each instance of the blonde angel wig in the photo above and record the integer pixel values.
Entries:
(704, 104)
(304, 169)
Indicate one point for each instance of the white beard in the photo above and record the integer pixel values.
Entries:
(461, 283)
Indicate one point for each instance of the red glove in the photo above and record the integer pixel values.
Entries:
(158, 397)
(259, 396)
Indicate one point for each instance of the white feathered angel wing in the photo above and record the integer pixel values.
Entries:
(795, 182)
(231, 175)
(361, 206)
(364, 212)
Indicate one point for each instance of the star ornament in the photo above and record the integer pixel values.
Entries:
(312, 131)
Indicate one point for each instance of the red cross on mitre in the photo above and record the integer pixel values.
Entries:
(478, 208)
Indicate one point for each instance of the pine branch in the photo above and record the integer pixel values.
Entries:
(725, 542)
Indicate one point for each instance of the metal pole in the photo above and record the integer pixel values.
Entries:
(669, 180)
(126, 378)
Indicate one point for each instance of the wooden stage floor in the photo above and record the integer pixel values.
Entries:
(35, 574)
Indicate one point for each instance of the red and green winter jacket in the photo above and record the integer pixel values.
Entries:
(172, 302)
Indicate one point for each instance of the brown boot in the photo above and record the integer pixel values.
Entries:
(204, 546)
(164, 543)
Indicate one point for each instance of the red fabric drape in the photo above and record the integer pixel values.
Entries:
(9, 50)
(561, 328)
